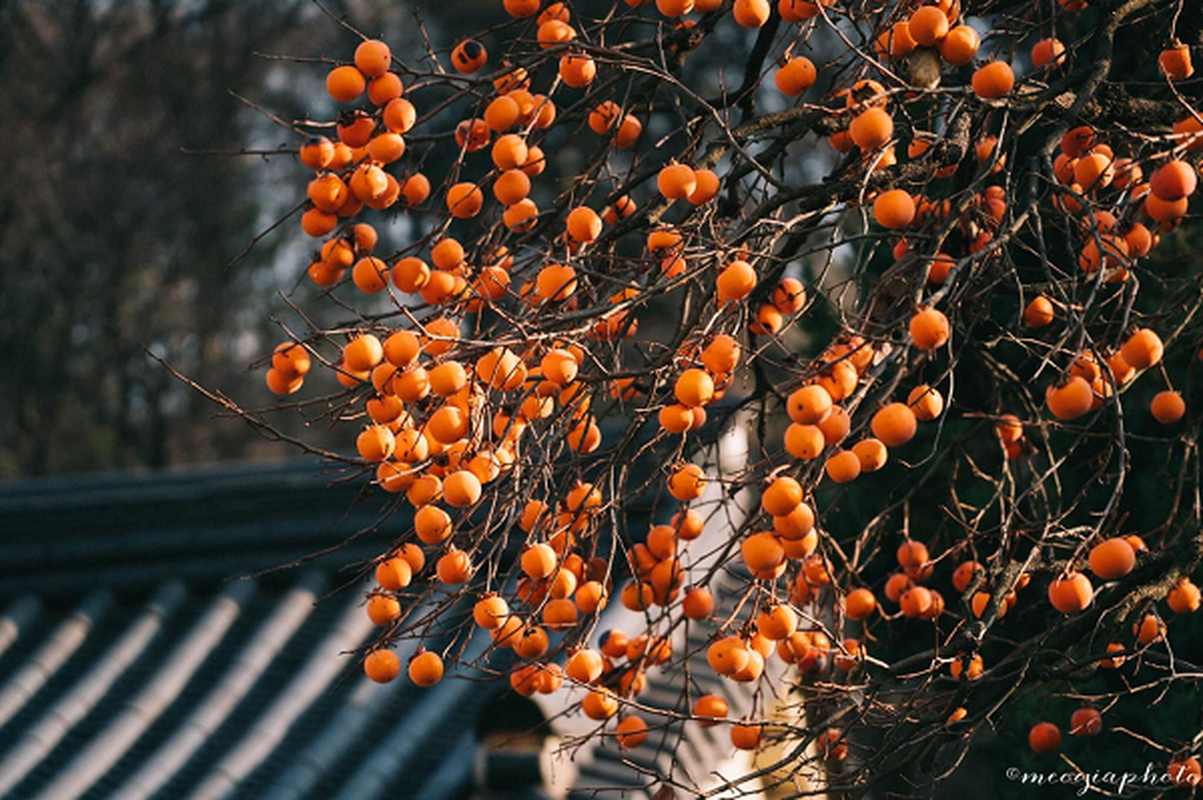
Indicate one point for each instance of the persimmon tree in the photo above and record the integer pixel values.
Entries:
(913, 248)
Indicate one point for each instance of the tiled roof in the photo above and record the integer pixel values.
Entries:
(132, 667)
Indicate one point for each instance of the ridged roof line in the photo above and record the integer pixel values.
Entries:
(17, 619)
(321, 668)
(108, 746)
(56, 723)
(50, 657)
(246, 668)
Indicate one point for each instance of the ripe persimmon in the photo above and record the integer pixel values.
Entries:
(401, 348)
(694, 387)
(965, 573)
(599, 704)
(539, 561)
(383, 609)
(746, 735)
(894, 209)
(809, 405)
(926, 402)
(722, 354)
(559, 366)
(1165, 211)
(375, 443)
(687, 483)
(399, 115)
(317, 152)
(591, 597)
(804, 441)
(432, 524)
(796, 525)
(584, 225)
(976, 667)
(355, 130)
(871, 454)
(898, 42)
(735, 282)
(372, 58)
(631, 732)
(521, 9)
(629, 131)
(604, 116)
(1085, 721)
(795, 11)
(345, 84)
(501, 368)
(577, 70)
(706, 182)
(676, 181)
(711, 709)
(1112, 558)
(871, 128)
(728, 655)
(461, 489)
(698, 603)
(676, 418)
(490, 611)
(1173, 181)
(782, 496)
(426, 669)
(859, 604)
(1047, 51)
(1184, 598)
(415, 189)
(1175, 62)
(469, 56)
(1039, 312)
(394, 574)
(370, 275)
(960, 45)
(291, 360)
(916, 601)
(993, 80)
(762, 552)
(843, 466)
(1150, 629)
(927, 25)
(674, 8)
(511, 188)
(382, 666)
(1071, 593)
(1143, 349)
(454, 568)
(1167, 407)
(585, 666)
(464, 200)
(501, 114)
(1185, 771)
(385, 88)
(796, 76)
(929, 329)
(1070, 399)
(509, 153)
(894, 424)
(1044, 738)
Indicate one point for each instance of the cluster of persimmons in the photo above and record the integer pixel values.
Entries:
(511, 333)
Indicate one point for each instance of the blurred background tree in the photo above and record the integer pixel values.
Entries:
(124, 202)
(111, 240)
